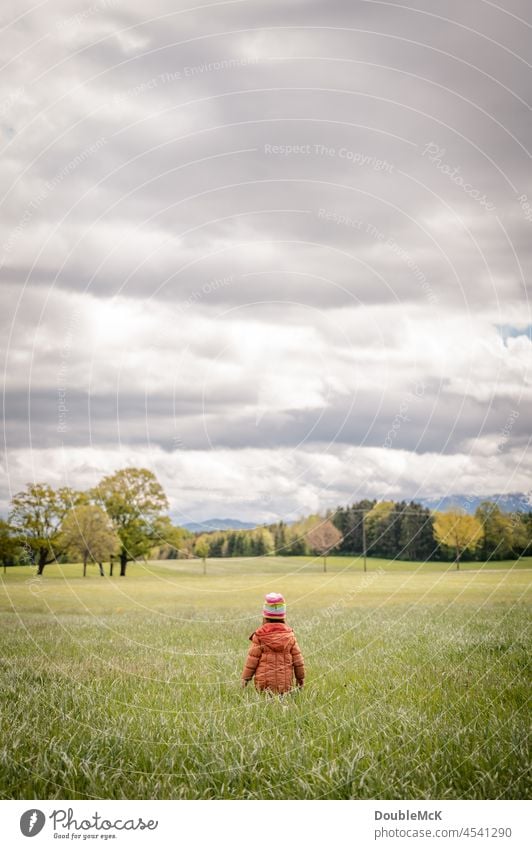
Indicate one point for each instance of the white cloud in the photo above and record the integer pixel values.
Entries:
(321, 331)
(265, 485)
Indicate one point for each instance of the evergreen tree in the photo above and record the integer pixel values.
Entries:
(382, 529)
(348, 520)
(416, 536)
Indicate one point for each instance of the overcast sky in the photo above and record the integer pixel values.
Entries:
(277, 252)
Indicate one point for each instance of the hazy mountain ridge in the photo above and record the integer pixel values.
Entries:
(508, 502)
(219, 525)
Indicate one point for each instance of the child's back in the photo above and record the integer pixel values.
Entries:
(274, 657)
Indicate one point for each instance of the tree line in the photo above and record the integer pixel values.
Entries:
(409, 531)
(125, 518)
(388, 529)
(121, 519)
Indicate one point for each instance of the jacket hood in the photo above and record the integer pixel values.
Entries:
(276, 635)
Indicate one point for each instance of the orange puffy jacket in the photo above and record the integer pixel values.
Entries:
(273, 658)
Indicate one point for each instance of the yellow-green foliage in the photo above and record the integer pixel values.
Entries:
(459, 531)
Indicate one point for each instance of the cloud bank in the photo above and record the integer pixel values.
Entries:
(278, 253)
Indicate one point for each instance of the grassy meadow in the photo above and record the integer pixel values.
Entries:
(418, 682)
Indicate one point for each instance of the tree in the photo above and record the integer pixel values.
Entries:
(323, 537)
(88, 533)
(201, 549)
(280, 537)
(504, 534)
(349, 521)
(459, 531)
(383, 528)
(36, 515)
(525, 532)
(9, 545)
(219, 544)
(416, 535)
(134, 499)
(263, 543)
(170, 540)
(297, 543)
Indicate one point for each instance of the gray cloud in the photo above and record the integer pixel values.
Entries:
(223, 225)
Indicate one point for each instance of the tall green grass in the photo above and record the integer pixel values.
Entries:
(417, 686)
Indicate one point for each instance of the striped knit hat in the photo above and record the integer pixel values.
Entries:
(274, 606)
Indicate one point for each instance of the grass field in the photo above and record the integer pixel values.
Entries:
(418, 682)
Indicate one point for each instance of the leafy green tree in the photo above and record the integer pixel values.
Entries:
(323, 537)
(504, 535)
(297, 543)
(520, 534)
(134, 499)
(459, 531)
(171, 541)
(202, 549)
(36, 515)
(87, 533)
(268, 542)
(298, 540)
(525, 520)
(9, 545)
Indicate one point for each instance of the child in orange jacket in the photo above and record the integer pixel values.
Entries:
(274, 657)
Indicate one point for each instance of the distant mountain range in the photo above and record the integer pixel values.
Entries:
(218, 525)
(508, 502)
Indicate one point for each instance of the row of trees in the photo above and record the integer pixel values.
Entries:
(393, 529)
(124, 518)
(400, 530)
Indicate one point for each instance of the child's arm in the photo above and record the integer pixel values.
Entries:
(299, 664)
(252, 660)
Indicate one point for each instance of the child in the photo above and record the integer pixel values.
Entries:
(274, 656)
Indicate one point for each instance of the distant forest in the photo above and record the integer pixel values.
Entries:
(124, 518)
(401, 530)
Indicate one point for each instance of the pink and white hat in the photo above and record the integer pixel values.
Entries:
(274, 606)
